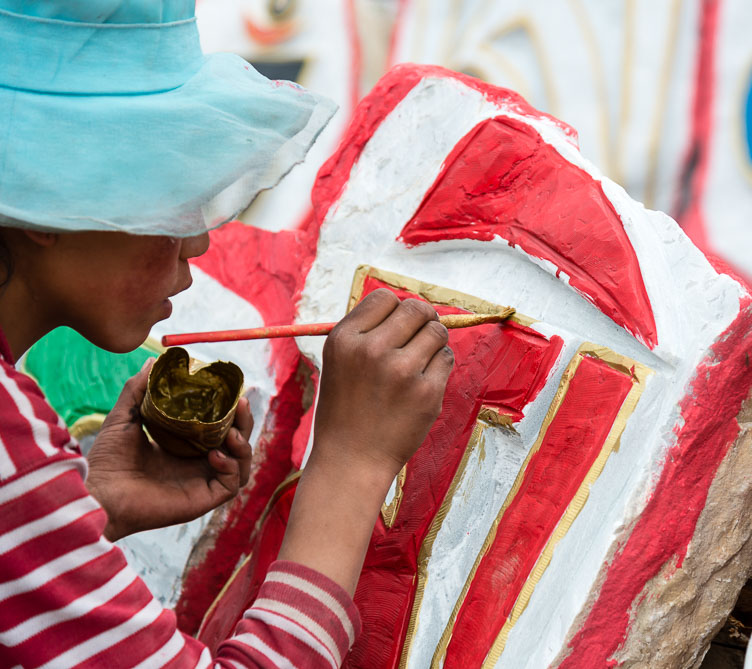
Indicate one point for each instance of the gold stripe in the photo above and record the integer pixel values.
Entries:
(429, 292)
(638, 373)
(477, 438)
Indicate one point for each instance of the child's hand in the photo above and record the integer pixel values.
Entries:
(385, 369)
(142, 487)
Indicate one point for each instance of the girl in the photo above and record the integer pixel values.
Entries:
(122, 145)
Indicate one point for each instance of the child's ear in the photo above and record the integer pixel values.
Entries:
(45, 239)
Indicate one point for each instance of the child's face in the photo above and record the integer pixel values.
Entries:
(113, 287)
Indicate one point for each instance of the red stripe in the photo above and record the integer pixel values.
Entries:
(288, 646)
(60, 591)
(37, 503)
(136, 648)
(312, 607)
(503, 179)
(571, 444)
(662, 534)
(26, 557)
(61, 637)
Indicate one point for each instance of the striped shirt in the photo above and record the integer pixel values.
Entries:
(68, 597)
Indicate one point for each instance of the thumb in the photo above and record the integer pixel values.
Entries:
(134, 389)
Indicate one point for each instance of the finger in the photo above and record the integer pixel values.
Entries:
(224, 484)
(238, 447)
(428, 341)
(371, 311)
(133, 392)
(405, 322)
(243, 419)
(440, 366)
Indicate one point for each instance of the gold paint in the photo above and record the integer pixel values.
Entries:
(477, 439)
(435, 295)
(429, 292)
(281, 488)
(494, 417)
(189, 407)
(638, 373)
(389, 511)
(660, 106)
(451, 321)
(87, 425)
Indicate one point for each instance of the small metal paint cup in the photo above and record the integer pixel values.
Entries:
(189, 406)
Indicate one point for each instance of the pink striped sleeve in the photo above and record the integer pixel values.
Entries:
(300, 615)
(68, 597)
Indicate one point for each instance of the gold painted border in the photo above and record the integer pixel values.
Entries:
(486, 417)
(639, 374)
(436, 295)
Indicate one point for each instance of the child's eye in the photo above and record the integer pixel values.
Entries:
(281, 9)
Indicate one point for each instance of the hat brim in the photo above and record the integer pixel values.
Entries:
(176, 162)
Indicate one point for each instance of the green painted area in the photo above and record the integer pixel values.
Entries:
(78, 378)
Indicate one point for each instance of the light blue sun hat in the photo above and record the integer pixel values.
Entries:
(112, 118)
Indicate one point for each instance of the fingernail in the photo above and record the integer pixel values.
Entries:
(221, 455)
(147, 362)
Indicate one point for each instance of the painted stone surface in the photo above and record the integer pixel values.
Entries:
(570, 494)
(658, 92)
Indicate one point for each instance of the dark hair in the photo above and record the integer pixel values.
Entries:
(6, 261)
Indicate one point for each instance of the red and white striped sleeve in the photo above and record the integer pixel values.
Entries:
(68, 597)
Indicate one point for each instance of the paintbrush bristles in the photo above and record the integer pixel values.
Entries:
(468, 320)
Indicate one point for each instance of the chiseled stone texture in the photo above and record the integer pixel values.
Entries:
(681, 610)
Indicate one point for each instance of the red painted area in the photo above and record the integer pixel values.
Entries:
(507, 363)
(666, 526)
(243, 589)
(267, 269)
(554, 474)
(503, 180)
(489, 360)
(377, 105)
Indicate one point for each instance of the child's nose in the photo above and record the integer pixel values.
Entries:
(193, 247)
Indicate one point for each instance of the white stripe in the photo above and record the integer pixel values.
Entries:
(77, 608)
(7, 468)
(51, 570)
(39, 428)
(205, 660)
(49, 523)
(108, 638)
(318, 593)
(256, 643)
(165, 653)
(41, 476)
(293, 628)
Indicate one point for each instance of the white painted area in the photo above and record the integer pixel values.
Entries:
(159, 556)
(322, 38)
(611, 70)
(692, 305)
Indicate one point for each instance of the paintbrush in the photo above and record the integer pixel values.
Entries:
(316, 329)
